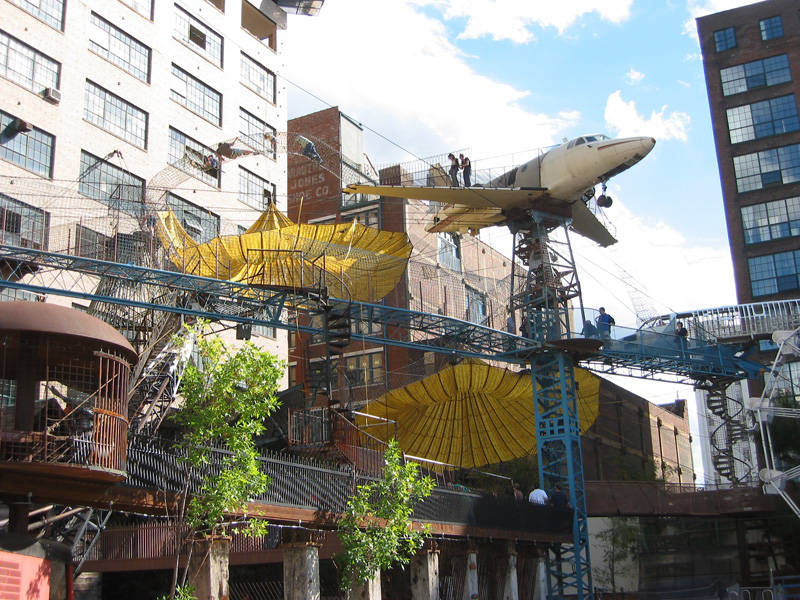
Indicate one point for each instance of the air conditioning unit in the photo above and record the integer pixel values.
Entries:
(52, 95)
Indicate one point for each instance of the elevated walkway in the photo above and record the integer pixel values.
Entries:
(641, 353)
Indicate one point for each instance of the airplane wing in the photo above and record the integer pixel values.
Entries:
(473, 208)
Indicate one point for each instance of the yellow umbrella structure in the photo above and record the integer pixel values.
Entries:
(472, 414)
(355, 262)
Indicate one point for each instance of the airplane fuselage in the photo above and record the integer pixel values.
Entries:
(572, 167)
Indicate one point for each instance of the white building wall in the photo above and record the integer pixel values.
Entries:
(73, 133)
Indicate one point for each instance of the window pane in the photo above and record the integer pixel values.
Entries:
(27, 66)
(255, 191)
(196, 96)
(201, 38)
(115, 115)
(771, 28)
(189, 155)
(111, 185)
(118, 47)
(201, 224)
(759, 73)
(32, 150)
(49, 11)
(258, 77)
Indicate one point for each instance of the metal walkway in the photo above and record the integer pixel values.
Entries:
(641, 353)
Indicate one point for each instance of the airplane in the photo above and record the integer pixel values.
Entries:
(559, 183)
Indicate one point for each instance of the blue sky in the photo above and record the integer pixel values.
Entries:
(507, 76)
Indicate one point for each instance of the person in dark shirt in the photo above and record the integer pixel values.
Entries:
(558, 499)
(454, 167)
(466, 169)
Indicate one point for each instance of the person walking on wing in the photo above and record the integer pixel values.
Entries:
(454, 166)
(466, 169)
(604, 323)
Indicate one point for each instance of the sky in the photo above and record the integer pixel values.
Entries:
(505, 77)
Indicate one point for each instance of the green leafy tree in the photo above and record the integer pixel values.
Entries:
(620, 542)
(376, 530)
(226, 399)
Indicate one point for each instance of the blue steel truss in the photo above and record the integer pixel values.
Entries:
(241, 303)
(558, 443)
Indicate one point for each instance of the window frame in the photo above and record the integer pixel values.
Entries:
(773, 269)
(725, 39)
(49, 18)
(769, 30)
(183, 16)
(248, 118)
(448, 251)
(110, 104)
(373, 372)
(133, 46)
(188, 166)
(39, 63)
(758, 167)
(192, 87)
(751, 72)
(247, 176)
(748, 119)
(181, 207)
(96, 173)
(34, 223)
(36, 142)
(249, 64)
(768, 221)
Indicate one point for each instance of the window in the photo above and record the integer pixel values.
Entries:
(49, 11)
(31, 149)
(115, 115)
(365, 327)
(771, 220)
(22, 224)
(364, 369)
(256, 133)
(143, 7)
(771, 28)
(725, 39)
(767, 168)
(27, 66)
(756, 74)
(255, 191)
(476, 306)
(450, 251)
(202, 39)
(187, 154)
(774, 273)
(763, 119)
(201, 224)
(118, 47)
(292, 375)
(196, 96)
(111, 185)
(368, 218)
(259, 78)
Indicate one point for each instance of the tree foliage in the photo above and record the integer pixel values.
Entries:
(620, 542)
(226, 397)
(376, 530)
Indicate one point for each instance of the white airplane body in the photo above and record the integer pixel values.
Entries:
(554, 183)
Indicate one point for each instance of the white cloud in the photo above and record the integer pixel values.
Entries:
(623, 118)
(512, 20)
(418, 90)
(685, 84)
(633, 76)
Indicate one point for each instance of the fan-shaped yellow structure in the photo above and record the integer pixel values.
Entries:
(472, 414)
(355, 262)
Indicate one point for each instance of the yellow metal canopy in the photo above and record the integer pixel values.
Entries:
(472, 414)
(355, 262)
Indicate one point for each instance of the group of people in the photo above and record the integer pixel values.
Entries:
(462, 164)
(602, 327)
(557, 499)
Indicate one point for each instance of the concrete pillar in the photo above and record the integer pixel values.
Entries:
(88, 586)
(510, 585)
(369, 590)
(300, 572)
(208, 568)
(540, 586)
(471, 577)
(425, 576)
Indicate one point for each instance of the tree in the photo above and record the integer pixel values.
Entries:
(376, 530)
(620, 542)
(226, 397)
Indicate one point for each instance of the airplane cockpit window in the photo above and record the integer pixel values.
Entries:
(576, 142)
(596, 138)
